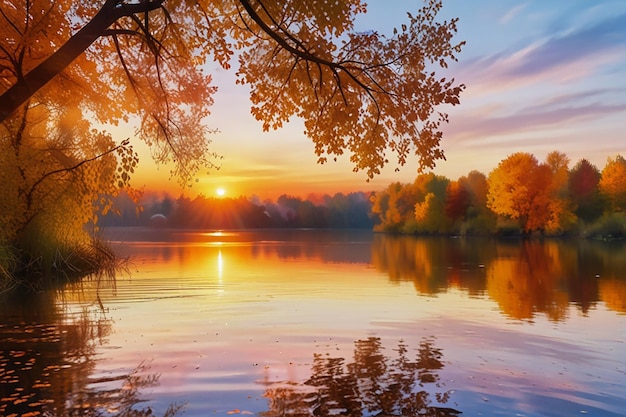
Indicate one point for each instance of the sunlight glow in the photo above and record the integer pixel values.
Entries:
(220, 192)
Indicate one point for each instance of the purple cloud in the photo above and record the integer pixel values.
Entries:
(576, 50)
(573, 47)
(528, 119)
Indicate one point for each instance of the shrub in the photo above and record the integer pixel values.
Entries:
(609, 227)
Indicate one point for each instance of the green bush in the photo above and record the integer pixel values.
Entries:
(609, 227)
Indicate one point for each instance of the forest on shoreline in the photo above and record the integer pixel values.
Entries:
(520, 197)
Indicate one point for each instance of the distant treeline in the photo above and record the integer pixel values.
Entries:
(521, 196)
(341, 211)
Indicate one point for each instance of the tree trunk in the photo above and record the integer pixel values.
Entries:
(27, 86)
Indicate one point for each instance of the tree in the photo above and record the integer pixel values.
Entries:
(535, 194)
(56, 179)
(64, 62)
(478, 217)
(411, 208)
(116, 66)
(394, 206)
(584, 179)
(477, 183)
(517, 189)
(429, 209)
(613, 183)
(560, 207)
(429, 215)
(458, 200)
(361, 91)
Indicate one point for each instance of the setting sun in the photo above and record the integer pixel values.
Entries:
(220, 192)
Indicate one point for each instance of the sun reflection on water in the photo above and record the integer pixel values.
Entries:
(220, 272)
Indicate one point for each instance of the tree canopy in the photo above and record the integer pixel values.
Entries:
(363, 92)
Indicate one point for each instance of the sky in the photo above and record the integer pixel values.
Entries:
(541, 76)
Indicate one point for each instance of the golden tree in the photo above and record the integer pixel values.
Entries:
(409, 208)
(428, 215)
(394, 206)
(613, 183)
(535, 194)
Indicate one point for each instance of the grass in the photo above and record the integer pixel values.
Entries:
(37, 265)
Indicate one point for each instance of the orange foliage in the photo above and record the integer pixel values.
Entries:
(358, 91)
(114, 69)
(512, 189)
(534, 194)
(339, 81)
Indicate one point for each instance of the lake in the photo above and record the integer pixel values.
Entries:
(309, 322)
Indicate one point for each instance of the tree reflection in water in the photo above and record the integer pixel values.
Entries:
(48, 357)
(372, 385)
(525, 277)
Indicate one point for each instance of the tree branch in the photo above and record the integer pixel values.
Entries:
(29, 195)
(26, 86)
(303, 53)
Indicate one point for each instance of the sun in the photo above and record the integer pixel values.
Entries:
(220, 192)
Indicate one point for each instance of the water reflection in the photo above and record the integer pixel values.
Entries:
(232, 322)
(524, 277)
(372, 384)
(48, 355)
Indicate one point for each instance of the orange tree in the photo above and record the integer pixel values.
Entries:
(111, 61)
(517, 190)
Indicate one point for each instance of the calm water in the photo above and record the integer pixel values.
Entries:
(299, 323)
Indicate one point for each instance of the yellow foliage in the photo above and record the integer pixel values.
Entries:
(422, 209)
(59, 175)
(613, 182)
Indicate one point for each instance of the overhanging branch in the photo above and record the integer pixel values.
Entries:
(26, 86)
(29, 195)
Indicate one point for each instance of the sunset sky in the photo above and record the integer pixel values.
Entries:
(540, 76)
